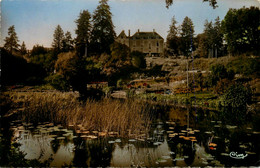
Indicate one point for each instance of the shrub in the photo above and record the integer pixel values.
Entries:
(238, 96)
(58, 82)
(245, 66)
(222, 86)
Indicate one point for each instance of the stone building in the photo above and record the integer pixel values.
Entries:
(150, 43)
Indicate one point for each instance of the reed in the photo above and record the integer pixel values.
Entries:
(121, 117)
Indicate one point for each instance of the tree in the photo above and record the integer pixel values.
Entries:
(218, 34)
(202, 49)
(103, 33)
(58, 38)
(37, 50)
(23, 49)
(70, 68)
(187, 33)
(67, 43)
(43, 57)
(119, 52)
(138, 59)
(241, 30)
(211, 40)
(172, 38)
(16, 70)
(218, 72)
(11, 42)
(212, 3)
(119, 57)
(83, 31)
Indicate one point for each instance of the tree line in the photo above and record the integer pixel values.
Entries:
(72, 63)
(238, 33)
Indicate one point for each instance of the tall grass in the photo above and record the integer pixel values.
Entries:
(124, 117)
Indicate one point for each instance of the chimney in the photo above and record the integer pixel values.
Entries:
(138, 31)
(129, 33)
(153, 31)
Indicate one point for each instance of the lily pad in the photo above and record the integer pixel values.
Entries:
(224, 154)
(166, 157)
(250, 153)
(208, 132)
(111, 142)
(162, 160)
(61, 138)
(118, 140)
(132, 140)
(231, 126)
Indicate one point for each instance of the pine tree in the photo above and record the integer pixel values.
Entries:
(218, 40)
(83, 31)
(103, 33)
(67, 44)
(187, 33)
(11, 42)
(23, 49)
(83, 27)
(213, 38)
(58, 38)
(172, 38)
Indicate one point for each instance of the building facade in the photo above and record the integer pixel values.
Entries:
(150, 43)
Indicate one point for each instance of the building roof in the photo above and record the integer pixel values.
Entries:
(141, 35)
(146, 35)
(122, 35)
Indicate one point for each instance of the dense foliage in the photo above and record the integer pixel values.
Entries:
(248, 67)
(23, 49)
(238, 96)
(172, 40)
(210, 42)
(241, 28)
(83, 31)
(187, 33)
(103, 34)
(15, 70)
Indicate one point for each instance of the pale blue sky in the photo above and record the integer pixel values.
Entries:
(35, 20)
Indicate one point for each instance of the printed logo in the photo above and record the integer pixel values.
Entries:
(235, 155)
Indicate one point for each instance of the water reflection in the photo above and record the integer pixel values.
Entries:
(178, 137)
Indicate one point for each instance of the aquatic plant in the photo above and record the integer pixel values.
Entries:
(122, 117)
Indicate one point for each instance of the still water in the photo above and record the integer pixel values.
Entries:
(178, 137)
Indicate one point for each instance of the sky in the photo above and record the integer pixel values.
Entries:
(36, 20)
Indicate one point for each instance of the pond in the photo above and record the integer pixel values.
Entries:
(177, 137)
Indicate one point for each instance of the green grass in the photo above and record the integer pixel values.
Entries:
(204, 99)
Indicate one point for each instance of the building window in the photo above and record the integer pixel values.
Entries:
(149, 45)
(157, 43)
